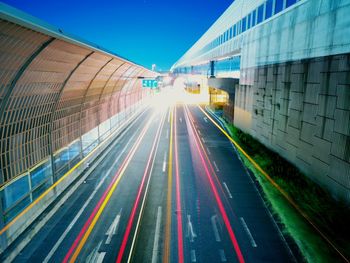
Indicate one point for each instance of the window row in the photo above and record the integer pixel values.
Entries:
(222, 66)
(255, 17)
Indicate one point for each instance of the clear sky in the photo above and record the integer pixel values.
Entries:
(143, 31)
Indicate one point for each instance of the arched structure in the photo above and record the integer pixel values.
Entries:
(59, 98)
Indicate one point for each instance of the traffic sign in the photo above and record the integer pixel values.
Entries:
(149, 83)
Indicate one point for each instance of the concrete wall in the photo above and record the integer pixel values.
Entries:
(301, 109)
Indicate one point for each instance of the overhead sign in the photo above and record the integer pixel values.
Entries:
(149, 83)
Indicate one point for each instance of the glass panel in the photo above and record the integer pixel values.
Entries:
(254, 18)
(290, 2)
(248, 21)
(244, 24)
(260, 14)
(61, 158)
(15, 191)
(234, 30)
(228, 65)
(39, 174)
(90, 137)
(37, 192)
(278, 6)
(268, 10)
(74, 150)
(17, 209)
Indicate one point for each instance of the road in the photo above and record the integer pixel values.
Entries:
(172, 189)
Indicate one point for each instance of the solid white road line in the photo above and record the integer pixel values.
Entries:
(215, 228)
(156, 236)
(252, 241)
(203, 139)
(216, 167)
(65, 233)
(190, 232)
(193, 255)
(199, 132)
(228, 190)
(222, 255)
(112, 230)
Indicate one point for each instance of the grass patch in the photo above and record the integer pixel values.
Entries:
(331, 216)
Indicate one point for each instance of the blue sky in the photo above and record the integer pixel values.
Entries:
(144, 31)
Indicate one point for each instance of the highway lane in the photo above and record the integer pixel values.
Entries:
(257, 233)
(175, 191)
(43, 243)
(150, 242)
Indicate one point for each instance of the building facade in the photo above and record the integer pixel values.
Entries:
(294, 80)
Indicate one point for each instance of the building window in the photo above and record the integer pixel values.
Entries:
(234, 30)
(244, 24)
(260, 14)
(268, 10)
(254, 18)
(290, 2)
(248, 21)
(278, 6)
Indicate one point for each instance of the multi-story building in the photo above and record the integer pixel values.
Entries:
(292, 59)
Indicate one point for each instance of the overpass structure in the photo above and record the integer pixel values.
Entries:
(60, 99)
(292, 58)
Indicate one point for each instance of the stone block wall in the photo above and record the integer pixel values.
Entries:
(301, 109)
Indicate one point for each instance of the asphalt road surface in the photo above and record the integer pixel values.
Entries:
(172, 189)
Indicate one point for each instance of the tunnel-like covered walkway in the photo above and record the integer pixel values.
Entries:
(59, 98)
